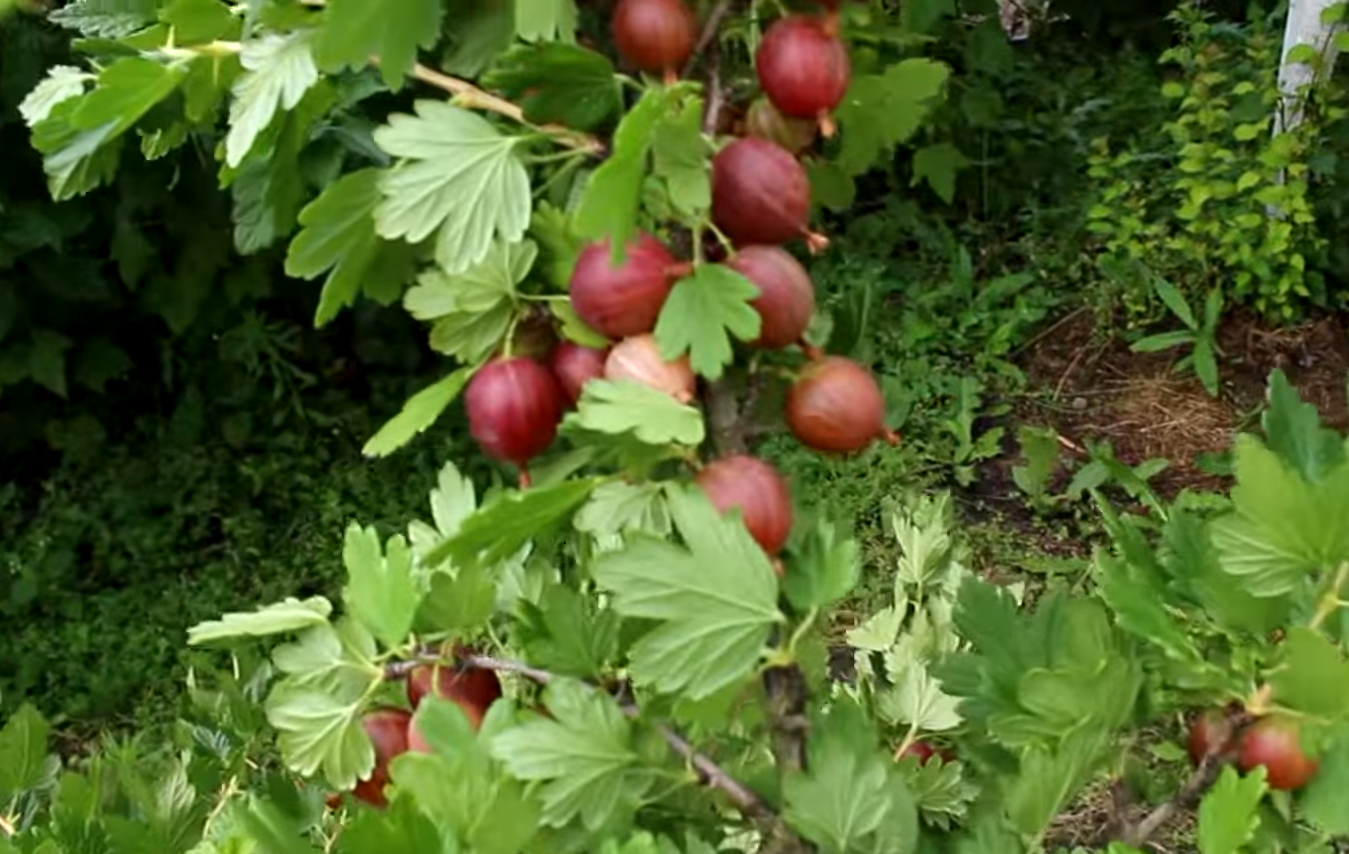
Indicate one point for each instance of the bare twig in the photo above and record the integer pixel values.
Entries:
(472, 97)
(708, 35)
(1220, 752)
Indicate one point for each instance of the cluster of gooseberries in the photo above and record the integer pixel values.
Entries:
(1272, 741)
(760, 202)
(393, 732)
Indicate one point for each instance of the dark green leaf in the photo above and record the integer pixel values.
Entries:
(558, 83)
(338, 236)
(938, 164)
(482, 30)
(882, 110)
(393, 30)
(1310, 676)
(504, 525)
(458, 601)
(23, 752)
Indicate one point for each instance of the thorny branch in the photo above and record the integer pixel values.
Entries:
(1219, 752)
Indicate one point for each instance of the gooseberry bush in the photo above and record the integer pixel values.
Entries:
(621, 646)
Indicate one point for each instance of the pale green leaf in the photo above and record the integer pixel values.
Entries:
(1323, 802)
(380, 591)
(938, 164)
(621, 406)
(319, 731)
(880, 111)
(288, 615)
(61, 83)
(545, 20)
(459, 178)
(109, 19)
(278, 71)
(475, 290)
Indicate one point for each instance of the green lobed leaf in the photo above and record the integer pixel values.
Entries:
(1310, 675)
(681, 157)
(608, 206)
(278, 71)
(1323, 802)
(701, 314)
(880, 111)
(716, 598)
(545, 20)
(849, 792)
(396, 830)
(1227, 814)
(109, 19)
(380, 589)
(459, 178)
(319, 730)
(338, 237)
(419, 413)
(568, 633)
(1283, 527)
(622, 406)
(824, 568)
(476, 290)
(198, 21)
(337, 658)
(583, 757)
(1294, 432)
(504, 525)
(288, 615)
(938, 164)
(23, 752)
(1140, 608)
(61, 83)
(459, 601)
(619, 506)
(939, 789)
(558, 83)
(393, 30)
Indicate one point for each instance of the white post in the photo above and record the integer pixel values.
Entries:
(1306, 26)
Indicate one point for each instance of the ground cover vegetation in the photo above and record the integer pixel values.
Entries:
(845, 428)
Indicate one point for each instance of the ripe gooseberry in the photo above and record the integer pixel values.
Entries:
(575, 365)
(924, 752)
(472, 689)
(803, 69)
(388, 732)
(765, 121)
(836, 405)
(514, 407)
(786, 297)
(626, 299)
(1275, 743)
(638, 358)
(757, 490)
(760, 194)
(1209, 733)
(656, 36)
